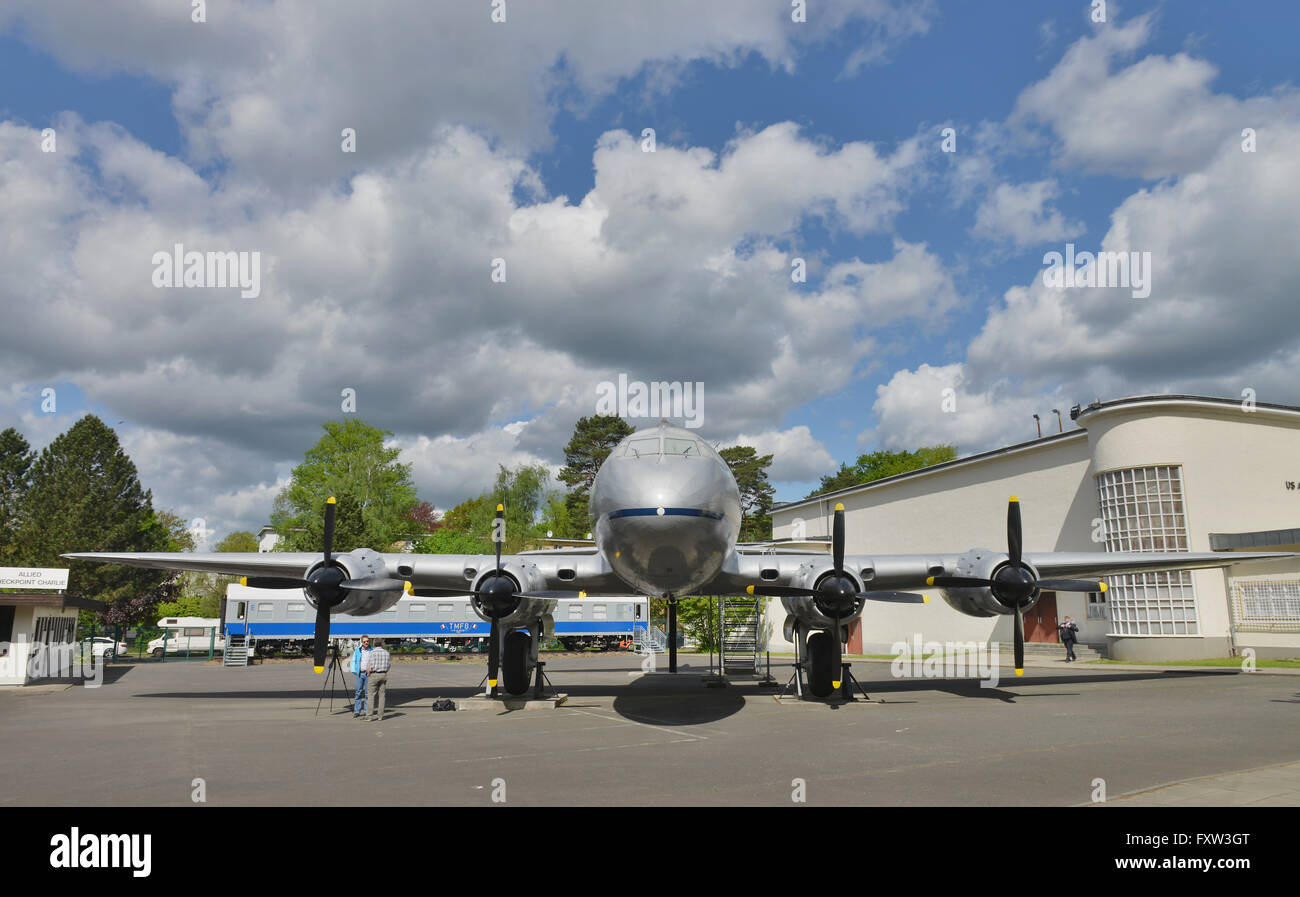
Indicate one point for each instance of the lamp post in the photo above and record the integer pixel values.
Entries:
(1039, 424)
(1060, 425)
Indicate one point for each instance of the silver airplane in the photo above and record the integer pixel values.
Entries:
(667, 517)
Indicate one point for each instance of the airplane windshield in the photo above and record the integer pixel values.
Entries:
(639, 448)
(687, 447)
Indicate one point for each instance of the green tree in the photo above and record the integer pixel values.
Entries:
(449, 541)
(593, 439)
(239, 540)
(85, 496)
(881, 464)
(16, 458)
(525, 491)
(756, 493)
(373, 490)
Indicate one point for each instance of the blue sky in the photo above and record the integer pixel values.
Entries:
(237, 155)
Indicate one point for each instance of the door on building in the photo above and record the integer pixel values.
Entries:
(1040, 621)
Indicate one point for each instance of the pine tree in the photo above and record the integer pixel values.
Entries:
(750, 471)
(85, 496)
(593, 439)
(16, 459)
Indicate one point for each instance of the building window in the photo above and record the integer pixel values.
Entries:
(1266, 605)
(1097, 606)
(1142, 510)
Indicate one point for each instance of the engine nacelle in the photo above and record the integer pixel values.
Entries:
(805, 609)
(983, 563)
(526, 578)
(359, 564)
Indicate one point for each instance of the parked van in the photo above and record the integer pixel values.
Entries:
(188, 635)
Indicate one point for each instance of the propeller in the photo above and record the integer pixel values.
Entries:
(327, 586)
(837, 594)
(1013, 583)
(497, 597)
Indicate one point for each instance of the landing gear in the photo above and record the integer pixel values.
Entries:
(514, 661)
(821, 664)
(672, 633)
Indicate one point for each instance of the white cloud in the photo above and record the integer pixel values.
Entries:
(797, 455)
(1021, 214)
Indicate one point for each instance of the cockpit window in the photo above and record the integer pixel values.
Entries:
(688, 447)
(639, 448)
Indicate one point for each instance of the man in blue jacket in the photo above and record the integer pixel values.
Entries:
(359, 657)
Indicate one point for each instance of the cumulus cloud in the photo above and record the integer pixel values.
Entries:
(1221, 315)
(1022, 215)
(797, 455)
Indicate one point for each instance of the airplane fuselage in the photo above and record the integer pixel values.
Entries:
(667, 511)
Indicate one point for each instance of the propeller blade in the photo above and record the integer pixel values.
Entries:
(957, 582)
(499, 533)
(322, 636)
(839, 652)
(780, 591)
(1020, 643)
(375, 584)
(494, 656)
(1071, 585)
(1014, 541)
(837, 540)
(555, 594)
(895, 597)
(331, 506)
(272, 582)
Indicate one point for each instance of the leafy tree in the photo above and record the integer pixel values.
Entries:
(85, 496)
(424, 518)
(239, 540)
(593, 439)
(750, 470)
(16, 459)
(881, 464)
(178, 534)
(448, 541)
(525, 493)
(460, 519)
(373, 491)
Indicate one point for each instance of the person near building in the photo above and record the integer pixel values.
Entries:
(359, 670)
(1069, 635)
(376, 667)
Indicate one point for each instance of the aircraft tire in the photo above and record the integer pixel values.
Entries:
(514, 662)
(821, 659)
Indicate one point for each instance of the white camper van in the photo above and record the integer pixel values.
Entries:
(188, 635)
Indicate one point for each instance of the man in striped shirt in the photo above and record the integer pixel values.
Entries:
(376, 668)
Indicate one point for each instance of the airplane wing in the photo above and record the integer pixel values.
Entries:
(567, 568)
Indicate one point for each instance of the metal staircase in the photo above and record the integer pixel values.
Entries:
(651, 637)
(236, 654)
(742, 635)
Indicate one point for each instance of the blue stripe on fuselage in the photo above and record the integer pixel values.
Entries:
(666, 512)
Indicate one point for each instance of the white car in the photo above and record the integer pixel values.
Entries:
(104, 648)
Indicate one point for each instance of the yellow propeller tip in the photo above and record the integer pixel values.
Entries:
(319, 669)
(1020, 671)
(243, 580)
(492, 683)
(839, 507)
(330, 501)
(929, 580)
(835, 684)
(749, 589)
(1015, 498)
(582, 594)
(1103, 586)
(925, 599)
(501, 507)
(406, 586)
